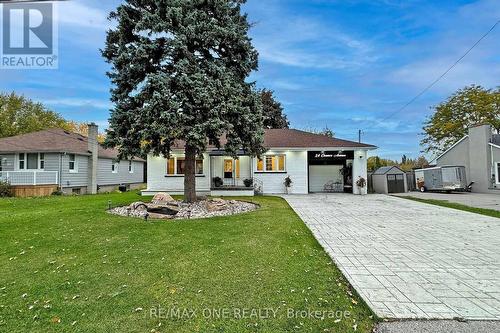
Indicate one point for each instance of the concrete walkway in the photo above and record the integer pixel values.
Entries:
(479, 200)
(408, 259)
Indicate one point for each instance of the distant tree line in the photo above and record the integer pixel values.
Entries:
(21, 115)
(406, 164)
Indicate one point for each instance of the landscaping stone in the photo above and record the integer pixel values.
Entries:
(162, 199)
(161, 208)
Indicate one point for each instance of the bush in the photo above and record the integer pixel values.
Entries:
(218, 182)
(57, 193)
(248, 182)
(5, 189)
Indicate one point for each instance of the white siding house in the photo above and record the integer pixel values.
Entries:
(314, 163)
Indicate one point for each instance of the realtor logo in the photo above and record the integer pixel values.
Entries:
(28, 36)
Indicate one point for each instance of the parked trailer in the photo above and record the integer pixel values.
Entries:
(444, 178)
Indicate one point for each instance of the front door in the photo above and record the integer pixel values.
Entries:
(228, 168)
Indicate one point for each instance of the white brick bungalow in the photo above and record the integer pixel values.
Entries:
(310, 160)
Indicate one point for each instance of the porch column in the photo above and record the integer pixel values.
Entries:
(359, 169)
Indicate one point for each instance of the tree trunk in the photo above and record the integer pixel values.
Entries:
(189, 174)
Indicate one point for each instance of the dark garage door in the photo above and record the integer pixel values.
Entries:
(395, 183)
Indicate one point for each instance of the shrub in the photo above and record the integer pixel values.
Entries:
(248, 182)
(57, 193)
(361, 182)
(288, 182)
(218, 182)
(5, 189)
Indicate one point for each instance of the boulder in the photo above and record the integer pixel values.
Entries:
(162, 199)
(216, 204)
(139, 205)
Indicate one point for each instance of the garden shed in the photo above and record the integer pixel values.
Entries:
(389, 179)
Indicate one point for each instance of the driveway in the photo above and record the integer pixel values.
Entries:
(408, 259)
(479, 200)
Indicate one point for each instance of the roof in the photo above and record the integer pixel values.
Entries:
(293, 138)
(53, 140)
(385, 169)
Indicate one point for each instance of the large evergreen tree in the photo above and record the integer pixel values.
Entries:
(274, 117)
(179, 70)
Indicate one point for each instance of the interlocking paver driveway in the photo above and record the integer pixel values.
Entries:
(408, 259)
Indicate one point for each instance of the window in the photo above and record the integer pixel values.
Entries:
(1, 158)
(199, 167)
(228, 169)
(32, 161)
(260, 165)
(272, 163)
(114, 167)
(171, 166)
(21, 161)
(42, 161)
(498, 172)
(181, 165)
(130, 167)
(72, 163)
(238, 169)
(177, 166)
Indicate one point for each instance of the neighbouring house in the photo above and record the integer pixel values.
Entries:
(314, 163)
(479, 153)
(389, 179)
(41, 162)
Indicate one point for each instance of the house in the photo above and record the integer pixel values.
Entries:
(479, 153)
(41, 162)
(389, 179)
(310, 160)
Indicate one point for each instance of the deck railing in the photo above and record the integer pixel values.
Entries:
(30, 177)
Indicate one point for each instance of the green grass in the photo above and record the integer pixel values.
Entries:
(81, 269)
(446, 203)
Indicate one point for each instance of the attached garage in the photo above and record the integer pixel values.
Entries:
(320, 175)
(330, 171)
(389, 179)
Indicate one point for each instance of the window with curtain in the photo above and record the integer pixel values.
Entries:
(260, 165)
(177, 166)
(199, 167)
(181, 166)
(114, 167)
(272, 163)
(171, 166)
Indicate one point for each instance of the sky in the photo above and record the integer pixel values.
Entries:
(345, 64)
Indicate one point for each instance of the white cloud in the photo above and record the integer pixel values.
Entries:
(78, 102)
(80, 15)
(308, 42)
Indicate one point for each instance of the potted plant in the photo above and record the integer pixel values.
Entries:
(288, 183)
(361, 183)
(218, 182)
(248, 182)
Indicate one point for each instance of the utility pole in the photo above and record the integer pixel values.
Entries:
(359, 135)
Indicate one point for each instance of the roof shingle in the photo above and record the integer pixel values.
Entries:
(53, 140)
(58, 140)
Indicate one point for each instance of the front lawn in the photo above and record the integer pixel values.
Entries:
(68, 266)
(446, 203)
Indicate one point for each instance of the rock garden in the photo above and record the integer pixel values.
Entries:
(163, 206)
